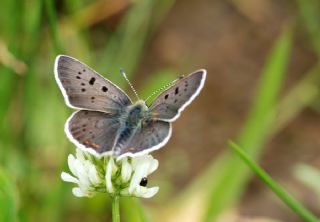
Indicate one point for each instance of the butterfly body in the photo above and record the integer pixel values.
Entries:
(131, 122)
(107, 122)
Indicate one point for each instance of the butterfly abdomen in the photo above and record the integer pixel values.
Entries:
(131, 123)
(124, 136)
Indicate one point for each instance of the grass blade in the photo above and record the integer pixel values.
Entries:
(304, 93)
(51, 12)
(290, 201)
(132, 210)
(7, 199)
(309, 12)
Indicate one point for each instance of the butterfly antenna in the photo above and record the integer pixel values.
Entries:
(162, 88)
(131, 86)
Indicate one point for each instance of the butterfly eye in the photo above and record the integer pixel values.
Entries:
(144, 182)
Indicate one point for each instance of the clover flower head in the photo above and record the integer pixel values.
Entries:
(126, 176)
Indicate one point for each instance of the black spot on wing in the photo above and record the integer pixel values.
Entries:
(104, 89)
(176, 91)
(92, 80)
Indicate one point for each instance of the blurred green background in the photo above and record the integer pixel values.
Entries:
(262, 90)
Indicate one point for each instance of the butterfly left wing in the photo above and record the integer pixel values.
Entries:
(83, 88)
(93, 131)
(152, 135)
(169, 104)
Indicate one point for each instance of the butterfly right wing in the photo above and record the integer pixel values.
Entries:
(84, 88)
(171, 102)
(93, 131)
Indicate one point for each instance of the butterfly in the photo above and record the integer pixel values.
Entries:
(107, 122)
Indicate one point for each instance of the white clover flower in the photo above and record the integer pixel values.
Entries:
(125, 177)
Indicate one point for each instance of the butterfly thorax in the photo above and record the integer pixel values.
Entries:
(136, 113)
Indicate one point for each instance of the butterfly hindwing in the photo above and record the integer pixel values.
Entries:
(168, 105)
(94, 130)
(152, 135)
(84, 88)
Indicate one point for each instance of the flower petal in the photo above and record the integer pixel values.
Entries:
(109, 185)
(78, 192)
(71, 164)
(126, 170)
(82, 174)
(92, 174)
(136, 178)
(145, 192)
(80, 154)
(150, 192)
(154, 165)
(141, 160)
(113, 166)
(68, 178)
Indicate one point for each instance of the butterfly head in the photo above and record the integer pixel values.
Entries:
(139, 110)
(141, 103)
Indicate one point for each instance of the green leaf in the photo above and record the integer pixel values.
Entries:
(290, 201)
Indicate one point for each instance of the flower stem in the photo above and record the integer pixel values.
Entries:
(115, 208)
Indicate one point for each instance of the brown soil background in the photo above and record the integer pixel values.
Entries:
(232, 43)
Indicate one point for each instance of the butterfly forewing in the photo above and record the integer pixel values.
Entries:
(84, 88)
(168, 105)
(92, 129)
(152, 135)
